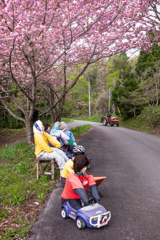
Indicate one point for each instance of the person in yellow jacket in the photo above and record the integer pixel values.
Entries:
(69, 165)
(43, 150)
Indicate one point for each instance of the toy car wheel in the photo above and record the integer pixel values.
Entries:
(80, 223)
(64, 213)
(104, 121)
(117, 124)
(111, 124)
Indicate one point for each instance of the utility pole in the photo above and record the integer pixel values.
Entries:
(89, 97)
(109, 100)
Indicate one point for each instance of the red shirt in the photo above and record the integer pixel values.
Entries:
(74, 181)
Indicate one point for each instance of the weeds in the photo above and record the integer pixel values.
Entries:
(18, 182)
(3, 214)
(91, 119)
(148, 121)
(80, 129)
(22, 167)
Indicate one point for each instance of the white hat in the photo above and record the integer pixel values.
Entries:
(63, 126)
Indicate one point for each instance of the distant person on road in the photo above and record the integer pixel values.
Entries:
(69, 165)
(43, 150)
(77, 184)
(109, 115)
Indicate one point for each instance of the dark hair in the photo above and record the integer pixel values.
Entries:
(35, 115)
(78, 153)
(46, 126)
(80, 162)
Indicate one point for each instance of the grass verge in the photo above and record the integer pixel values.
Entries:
(147, 121)
(77, 131)
(21, 194)
(66, 120)
(91, 119)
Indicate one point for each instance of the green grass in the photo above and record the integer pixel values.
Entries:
(80, 129)
(18, 182)
(66, 120)
(91, 119)
(19, 232)
(147, 121)
(18, 175)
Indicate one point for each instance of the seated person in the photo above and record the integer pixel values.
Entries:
(63, 127)
(48, 130)
(57, 133)
(77, 184)
(43, 150)
(109, 116)
(68, 168)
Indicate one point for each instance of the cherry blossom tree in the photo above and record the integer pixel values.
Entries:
(41, 41)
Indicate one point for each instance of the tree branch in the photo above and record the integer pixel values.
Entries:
(10, 111)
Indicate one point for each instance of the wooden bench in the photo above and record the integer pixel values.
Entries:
(42, 165)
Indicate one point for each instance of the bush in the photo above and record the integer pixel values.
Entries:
(148, 120)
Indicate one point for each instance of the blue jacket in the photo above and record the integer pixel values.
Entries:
(70, 135)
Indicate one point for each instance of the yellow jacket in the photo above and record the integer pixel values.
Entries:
(41, 142)
(68, 168)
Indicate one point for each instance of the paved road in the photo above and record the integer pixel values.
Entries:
(131, 161)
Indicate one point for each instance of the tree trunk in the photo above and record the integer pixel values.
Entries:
(29, 131)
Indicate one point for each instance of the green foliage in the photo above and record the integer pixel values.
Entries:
(147, 59)
(147, 69)
(76, 103)
(91, 119)
(18, 182)
(148, 121)
(80, 129)
(22, 167)
(17, 175)
(3, 214)
(66, 120)
(125, 85)
(18, 232)
(7, 121)
(20, 149)
(151, 116)
(41, 197)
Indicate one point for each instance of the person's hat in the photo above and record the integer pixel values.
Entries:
(62, 126)
(58, 123)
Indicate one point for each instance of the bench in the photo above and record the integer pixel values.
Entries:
(42, 165)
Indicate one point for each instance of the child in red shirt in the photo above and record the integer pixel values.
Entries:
(77, 184)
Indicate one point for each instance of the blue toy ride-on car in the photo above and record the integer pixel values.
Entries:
(93, 215)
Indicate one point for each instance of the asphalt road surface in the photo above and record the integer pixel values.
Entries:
(131, 161)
